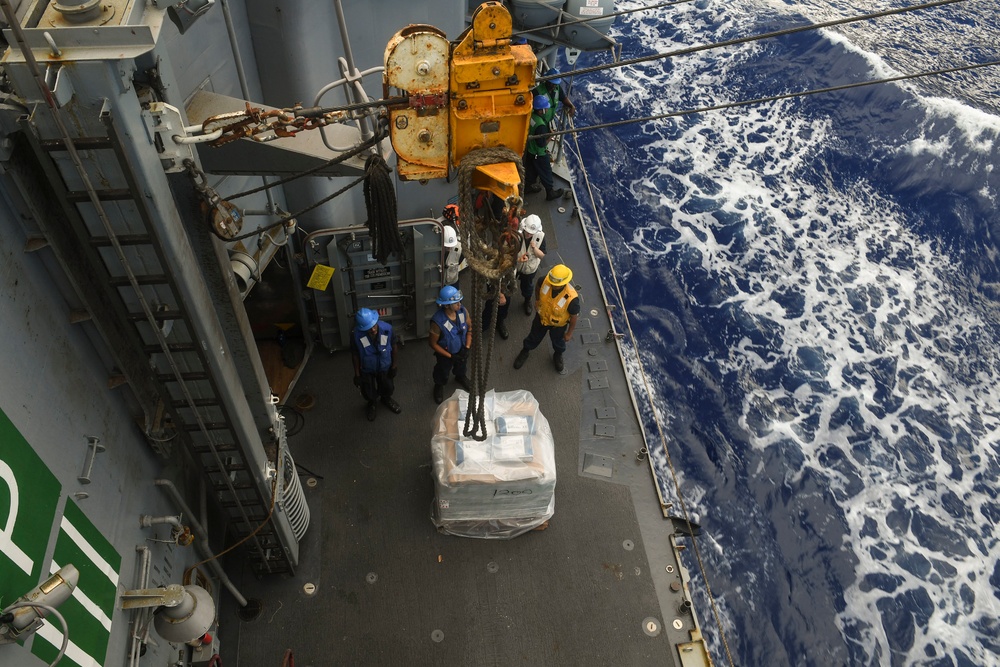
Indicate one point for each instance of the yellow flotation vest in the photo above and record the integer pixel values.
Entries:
(553, 309)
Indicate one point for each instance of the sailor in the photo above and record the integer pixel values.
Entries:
(558, 309)
(537, 164)
(553, 90)
(530, 256)
(505, 294)
(450, 338)
(374, 356)
(452, 256)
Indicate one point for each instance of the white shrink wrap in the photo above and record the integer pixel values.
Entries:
(500, 487)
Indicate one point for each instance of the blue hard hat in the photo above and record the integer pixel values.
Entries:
(518, 39)
(540, 102)
(554, 72)
(365, 319)
(448, 295)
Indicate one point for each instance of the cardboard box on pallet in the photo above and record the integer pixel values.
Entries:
(502, 486)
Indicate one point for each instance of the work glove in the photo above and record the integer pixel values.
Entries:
(392, 372)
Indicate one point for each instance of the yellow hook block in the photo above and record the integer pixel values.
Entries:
(490, 87)
(500, 178)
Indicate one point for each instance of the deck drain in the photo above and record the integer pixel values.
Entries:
(492, 567)
(305, 402)
(312, 482)
(371, 577)
(678, 624)
(309, 589)
(628, 545)
(651, 626)
(437, 636)
(251, 610)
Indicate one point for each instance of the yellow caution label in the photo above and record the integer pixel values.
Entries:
(320, 277)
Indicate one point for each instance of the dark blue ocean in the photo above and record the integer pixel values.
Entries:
(812, 289)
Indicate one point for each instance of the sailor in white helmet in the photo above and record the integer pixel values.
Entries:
(530, 257)
(452, 256)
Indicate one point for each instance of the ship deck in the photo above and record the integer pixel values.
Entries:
(599, 586)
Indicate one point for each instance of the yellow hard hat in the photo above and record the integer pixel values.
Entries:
(559, 275)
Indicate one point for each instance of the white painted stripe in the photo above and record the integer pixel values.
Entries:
(87, 603)
(88, 550)
(53, 635)
(7, 545)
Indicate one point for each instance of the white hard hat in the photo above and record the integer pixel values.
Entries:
(531, 224)
(450, 237)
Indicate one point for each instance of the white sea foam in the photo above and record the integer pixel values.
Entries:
(871, 291)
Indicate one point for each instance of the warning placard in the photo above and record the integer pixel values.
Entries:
(320, 277)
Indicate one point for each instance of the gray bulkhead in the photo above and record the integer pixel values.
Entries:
(61, 367)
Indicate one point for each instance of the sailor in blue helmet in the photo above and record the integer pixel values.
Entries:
(450, 338)
(537, 164)
(552, 89)
(374, 356)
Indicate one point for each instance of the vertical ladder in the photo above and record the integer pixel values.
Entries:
(126, 279)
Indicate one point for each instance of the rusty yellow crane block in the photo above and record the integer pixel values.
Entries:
(417, 62)
(475, 94)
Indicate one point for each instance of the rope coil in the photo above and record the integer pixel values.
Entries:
(490, 246)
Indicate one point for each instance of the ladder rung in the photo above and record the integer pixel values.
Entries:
(159, 315)
(123, 239)
(118, 194)
(187, 377)
(80, 143)
(122, 281)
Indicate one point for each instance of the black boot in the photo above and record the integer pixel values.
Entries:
(463, 382)
(527, 307)
(390, 402)
(521, 358)
(370, 411)
(502, 331)
(558, 361)
(554, 194)
(438, 393)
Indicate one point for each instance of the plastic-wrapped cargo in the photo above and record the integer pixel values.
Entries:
(500, 487)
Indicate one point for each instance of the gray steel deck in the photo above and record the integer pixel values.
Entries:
(391, 590)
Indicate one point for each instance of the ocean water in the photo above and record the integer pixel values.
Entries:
(813, 291)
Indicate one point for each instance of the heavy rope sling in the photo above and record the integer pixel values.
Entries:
(380, 201)
(490, 246)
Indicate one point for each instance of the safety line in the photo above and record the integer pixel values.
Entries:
(649, 396)
(750, 38)
(772, 98)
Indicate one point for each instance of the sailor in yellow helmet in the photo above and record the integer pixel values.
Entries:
(558, 306)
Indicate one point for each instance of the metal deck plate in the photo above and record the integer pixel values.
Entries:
(605, 430)
(606, 413)
(595, 464)
(595, 365)
(598, 383)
